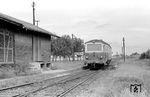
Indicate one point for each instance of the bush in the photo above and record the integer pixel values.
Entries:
(22, 69)
(12, 70)
(145, 55)
(7, 71)
(142, 56)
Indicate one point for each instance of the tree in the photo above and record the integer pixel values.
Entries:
(67, 46)
(145, 55)
(78, 45)
(61, 46)
(64, 46)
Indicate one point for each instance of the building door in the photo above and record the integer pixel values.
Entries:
(36, 48)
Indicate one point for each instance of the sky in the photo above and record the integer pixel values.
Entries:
(109, 20)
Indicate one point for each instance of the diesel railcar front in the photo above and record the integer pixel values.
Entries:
(97, 54)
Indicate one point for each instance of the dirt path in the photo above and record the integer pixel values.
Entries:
(116, 83)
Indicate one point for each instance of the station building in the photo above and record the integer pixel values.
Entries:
(22, 42)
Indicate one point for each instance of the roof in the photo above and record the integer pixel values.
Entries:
(24, 24)
(98, 40)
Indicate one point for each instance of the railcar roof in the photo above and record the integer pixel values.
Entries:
(98, 40)
(24, 24)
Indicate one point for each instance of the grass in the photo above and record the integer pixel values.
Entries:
(7, 71)
(131, 72)
(121, 88)
(66, 65)
(126, 93)
(13, 70)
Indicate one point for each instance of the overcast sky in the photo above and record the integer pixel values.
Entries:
(109, 20)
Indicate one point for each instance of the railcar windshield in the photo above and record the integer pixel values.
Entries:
(94, 47)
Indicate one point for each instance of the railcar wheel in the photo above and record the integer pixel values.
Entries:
(85, 66)
(108, 62)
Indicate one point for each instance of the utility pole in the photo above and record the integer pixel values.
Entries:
(72, 48)
(33, 38)
(33, 5)
(37, 22)
(123, 49)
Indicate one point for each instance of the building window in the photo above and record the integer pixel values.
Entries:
(6, 47)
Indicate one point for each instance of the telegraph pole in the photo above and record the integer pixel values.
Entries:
(72, 48)
(33, 48)
(33, 6)
(37, 22)
(123, 49)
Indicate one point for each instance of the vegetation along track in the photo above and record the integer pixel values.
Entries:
(31, 83)
(48, 83)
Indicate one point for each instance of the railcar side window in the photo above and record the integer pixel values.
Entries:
(104, 48)
(6, 47)
(107, 48)
(94, 47)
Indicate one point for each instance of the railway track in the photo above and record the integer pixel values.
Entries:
(87, 76)
(70, 78)
(42, 87)
(26, 84)
(31, 83)
(76, 85)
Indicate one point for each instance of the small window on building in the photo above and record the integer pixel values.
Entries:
(6, 47)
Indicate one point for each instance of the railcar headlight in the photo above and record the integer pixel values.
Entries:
(101, 57)
(86, 57)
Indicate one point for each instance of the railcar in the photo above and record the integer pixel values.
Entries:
(97, 54)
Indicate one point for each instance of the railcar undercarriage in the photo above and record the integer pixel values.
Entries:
(93, 65)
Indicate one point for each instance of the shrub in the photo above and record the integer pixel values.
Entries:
(145, 55)
(22, 68)
(12, 70)
(142, 56)
(7, 71)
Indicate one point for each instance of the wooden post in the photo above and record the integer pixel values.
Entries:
(7, 48)
(50, 53)
(4, 48)
(33, 6)
(123, 49)
(72, 48)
